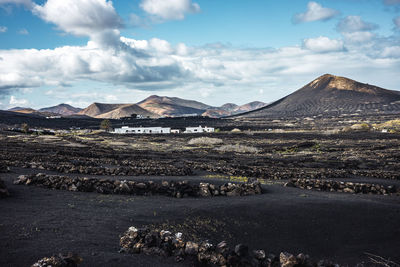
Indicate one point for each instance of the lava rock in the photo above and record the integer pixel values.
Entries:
(69, 260)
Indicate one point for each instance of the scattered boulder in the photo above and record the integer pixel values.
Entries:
(287, 260)
(69, 260)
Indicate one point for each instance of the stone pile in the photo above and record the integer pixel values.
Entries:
(3, 189)
(176, 189)
(167, 244)
(69, 260)
(346, 187)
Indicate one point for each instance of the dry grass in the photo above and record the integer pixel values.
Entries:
(238, 149)
(205, 141)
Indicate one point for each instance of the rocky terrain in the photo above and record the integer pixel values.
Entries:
(164, 243)
(86, 188)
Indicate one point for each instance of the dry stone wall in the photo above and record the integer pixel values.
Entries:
(346, 187)
(176, 189)
(167, 244)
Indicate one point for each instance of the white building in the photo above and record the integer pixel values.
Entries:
(142, 130)
(175, 131)
(199, 129)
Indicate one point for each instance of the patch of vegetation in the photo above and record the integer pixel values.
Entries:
(25, 128)
(238, 149)
(105, 125)
(205, 141)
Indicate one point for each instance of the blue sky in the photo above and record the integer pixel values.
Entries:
(215, 51)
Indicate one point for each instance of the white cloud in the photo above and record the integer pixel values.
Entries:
(17, 102)
(169, 9)
(23, 32)
(355, 24)
(157, 65)
(358, 37)
(323, 44)
(396, 22)
(84, 17)
(315, 12)
(391, 52)
(3, 29)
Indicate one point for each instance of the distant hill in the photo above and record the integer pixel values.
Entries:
(154, 106)
(250, 106)
(232, 109)
(172, 106)
(22, 110)
(331, 95)
(229, 107)
(61, 109)
(114, 111)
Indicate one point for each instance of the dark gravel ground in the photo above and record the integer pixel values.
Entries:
(37, 222)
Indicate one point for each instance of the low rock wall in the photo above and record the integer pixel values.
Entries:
(176, 189)
(164, 243)
(346, 187)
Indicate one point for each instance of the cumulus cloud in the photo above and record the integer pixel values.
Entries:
(157, 65)
(355, 24)
(17, 102)
(315, 12)
(323, 44)
(84, 17)
(169, 9)
(3, 29)
(358, 37)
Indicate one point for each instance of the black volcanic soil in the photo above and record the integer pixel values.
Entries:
(37, 222)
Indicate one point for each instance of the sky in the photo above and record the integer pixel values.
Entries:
(214, 51)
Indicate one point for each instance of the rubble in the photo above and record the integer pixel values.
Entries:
(3, 189)
(164, 243)
(69, 260)
(346, 187)
(178, 189)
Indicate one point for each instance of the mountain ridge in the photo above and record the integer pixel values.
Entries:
(331, 95)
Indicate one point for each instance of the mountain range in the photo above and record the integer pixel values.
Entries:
(154, 107)
(326, 95)
(331, 95)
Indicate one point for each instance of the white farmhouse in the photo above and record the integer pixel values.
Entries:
(199, 129)
(142, 130)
